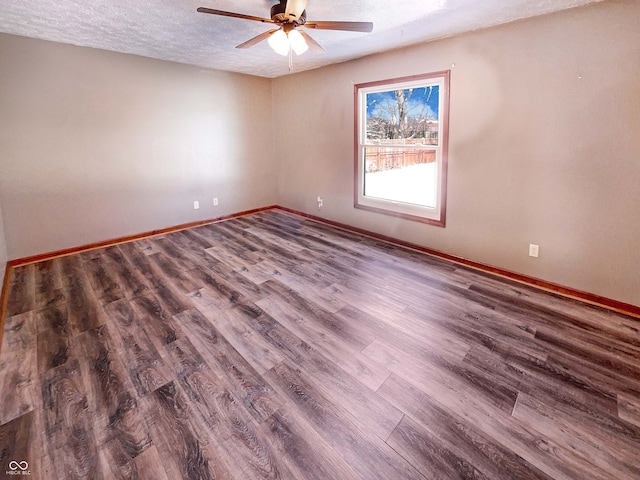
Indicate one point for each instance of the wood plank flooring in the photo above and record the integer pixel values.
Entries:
(275, 347)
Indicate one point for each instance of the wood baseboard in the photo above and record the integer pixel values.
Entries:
(587, 297)
(129, 238)
(591, 298)
(4, 298)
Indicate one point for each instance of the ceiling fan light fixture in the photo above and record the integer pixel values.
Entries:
(298, 43)
(287, 15)
(279, 42)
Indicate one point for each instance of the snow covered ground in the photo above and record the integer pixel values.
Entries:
(415, 184)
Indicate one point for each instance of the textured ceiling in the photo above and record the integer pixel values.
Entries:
(173, 30)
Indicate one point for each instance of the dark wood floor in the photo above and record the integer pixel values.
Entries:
(270, 346)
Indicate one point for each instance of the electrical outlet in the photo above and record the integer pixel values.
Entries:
(320, 202)
(196, 204)
(534, 250)
(215, 201)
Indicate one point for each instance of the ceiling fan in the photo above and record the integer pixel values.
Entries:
(289, 15)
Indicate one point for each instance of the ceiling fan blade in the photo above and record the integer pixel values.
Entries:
(234, 15)
(294, 9)
(314, 46)
(347, 26)
(257, 39)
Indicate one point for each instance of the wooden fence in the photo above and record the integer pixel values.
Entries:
(379, 159)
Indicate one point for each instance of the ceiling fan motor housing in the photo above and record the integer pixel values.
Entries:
(278, 14)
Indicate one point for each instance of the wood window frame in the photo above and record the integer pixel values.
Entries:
(432, 216)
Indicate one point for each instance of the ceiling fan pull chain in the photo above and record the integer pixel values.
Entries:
(290, 59)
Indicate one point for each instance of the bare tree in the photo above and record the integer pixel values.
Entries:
(397, 119)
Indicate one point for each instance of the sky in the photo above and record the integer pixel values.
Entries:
(418, 99)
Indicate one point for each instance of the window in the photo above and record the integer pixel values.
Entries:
(401, 146)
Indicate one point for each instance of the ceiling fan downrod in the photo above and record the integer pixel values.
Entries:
(279, 14)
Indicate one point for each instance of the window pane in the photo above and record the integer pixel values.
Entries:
(401, 175)
(401, 132)
(408, 116)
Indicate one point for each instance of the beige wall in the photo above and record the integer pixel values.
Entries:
(544, 146)
(98, 145)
